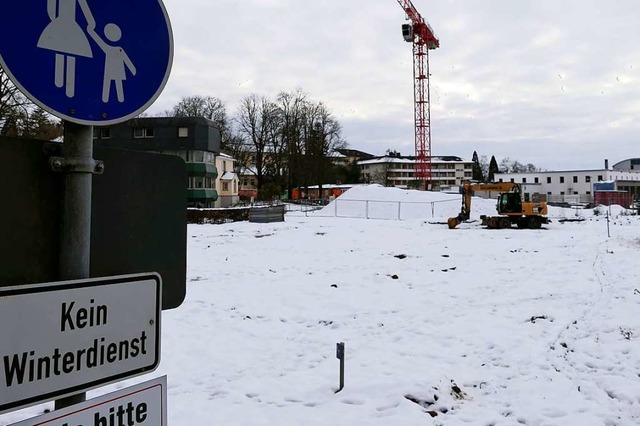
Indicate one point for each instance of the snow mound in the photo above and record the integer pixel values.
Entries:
(376, 192)
(379, 202)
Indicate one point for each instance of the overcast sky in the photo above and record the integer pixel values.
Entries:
(555, 83)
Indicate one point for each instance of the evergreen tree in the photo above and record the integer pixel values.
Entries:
(493, 169)
(476, 169)
(41, 125)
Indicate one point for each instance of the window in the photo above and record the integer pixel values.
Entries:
(549, 180)
(102, 132)
(142, 132)
(512, 180)
(561, 179)
(524, 180)
(575, 192)
(225, 186)
(587, 179)
(500, 180)
(195, 156)
(183, 132)
(562, 193)
(536, 180)
(549, 193)
(599, 178)
(588, 192)
(575, 179)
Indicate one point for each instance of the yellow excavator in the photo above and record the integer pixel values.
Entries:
(510, 207)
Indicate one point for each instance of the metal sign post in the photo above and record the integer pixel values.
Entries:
(75, 238)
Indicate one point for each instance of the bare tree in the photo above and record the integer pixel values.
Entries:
(507, 165)
(257, 122)
(289, 148)
(322, 135)
(381, 175)
(13, 104)
(484, 166)
(208, 107)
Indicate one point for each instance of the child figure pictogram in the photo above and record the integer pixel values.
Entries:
(116, 61)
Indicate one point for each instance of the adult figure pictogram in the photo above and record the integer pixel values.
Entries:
(65, 37)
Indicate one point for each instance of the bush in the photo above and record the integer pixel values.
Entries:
(269, 191)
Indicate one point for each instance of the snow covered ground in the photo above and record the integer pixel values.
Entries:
(445, 327)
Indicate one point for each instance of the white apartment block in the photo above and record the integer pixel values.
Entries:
(446, 171)
(572, 186)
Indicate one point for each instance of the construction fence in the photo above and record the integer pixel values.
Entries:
(371, 209)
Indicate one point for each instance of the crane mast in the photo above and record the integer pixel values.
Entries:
(424, 39)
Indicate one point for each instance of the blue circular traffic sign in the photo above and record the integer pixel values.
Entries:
(93, 62)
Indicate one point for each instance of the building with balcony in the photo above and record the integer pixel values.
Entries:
(196, 140)
(446, 171)
(227, 185)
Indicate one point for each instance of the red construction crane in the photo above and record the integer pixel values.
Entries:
(420, 33)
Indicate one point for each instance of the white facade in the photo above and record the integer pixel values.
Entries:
(400, 171)
(227, 182)
(569, 185)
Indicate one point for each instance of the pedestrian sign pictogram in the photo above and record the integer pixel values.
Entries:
(94, 62)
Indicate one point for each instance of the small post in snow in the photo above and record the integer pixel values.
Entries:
(608, 231)
(340, 356)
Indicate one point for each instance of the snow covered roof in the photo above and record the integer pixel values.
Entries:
(411, 160)
(226, 156)
(228, 176)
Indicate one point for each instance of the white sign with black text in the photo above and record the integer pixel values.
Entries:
(63, 338)
(144, 404)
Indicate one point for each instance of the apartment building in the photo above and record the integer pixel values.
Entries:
(399, 171)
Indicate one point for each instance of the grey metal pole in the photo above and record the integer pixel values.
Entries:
(340, 356)
(75, 239)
